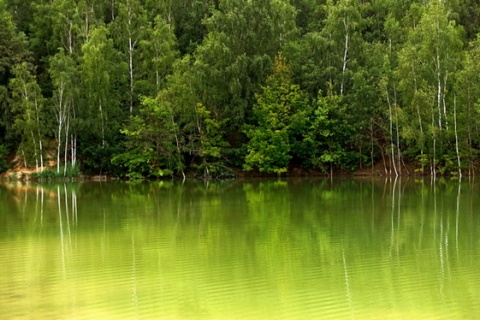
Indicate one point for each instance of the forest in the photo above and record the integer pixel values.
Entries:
(160, 88)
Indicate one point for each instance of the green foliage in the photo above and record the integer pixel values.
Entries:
(268, 150)
(210, 143)
(28, 107)
(102, 74)
(128, 30)
(428, 58)
(64, 73)
(328, 135)
(96, 159)
(280, 115)
(153, 88)
(157, 54)
(3, 159)
(236, 56)
(52, 174)
(149, 143)
(188, 17)
(13, 45)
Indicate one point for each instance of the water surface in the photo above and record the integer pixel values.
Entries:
(254, 249)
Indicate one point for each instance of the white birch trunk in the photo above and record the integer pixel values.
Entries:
(177, 144)
(59, 143)
(392, 147)
(73, 150)
(70, 38)
(37, 119)
(345, 53)
(131, 45)
(35, 150)
(131, 49)
(418, 110)
(397, 130)
(459, 163)
(439, 91)
(87, 22)
(41, 154)
(24, 159)
(73, 139)
(433, 164)
(67, 125)
(102, 123)
(113, 9)
(60, 123)
(444, 102)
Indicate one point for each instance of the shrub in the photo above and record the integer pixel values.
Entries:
(52, 174)
(3, 159)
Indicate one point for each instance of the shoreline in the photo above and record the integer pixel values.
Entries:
(378, 170)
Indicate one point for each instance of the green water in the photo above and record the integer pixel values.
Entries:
(290, 249)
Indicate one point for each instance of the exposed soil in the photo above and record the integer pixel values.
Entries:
(19, 172)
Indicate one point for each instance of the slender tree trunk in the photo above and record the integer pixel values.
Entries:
(157, 76)
(73, 139)
(37, 124)
(60, 125)
(372, 150)
(73, 151)
(419, 116)
(87, 22)
(59, 144)
(130, 63)
(345, 53)
(444, 102)
(70, 38)
(439, 93)
(35, 150)
(41, 154)
(177, 142)
(392, 146)
(385, 164)
(65, 163)
(469, 134)
(40, 145)
(113, 9)
(102, 123)
(24, 159)
(397, 131)
(459, 163)
(62, 118)
(434, 160)
(39, 136)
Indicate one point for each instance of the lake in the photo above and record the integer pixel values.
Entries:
(244, 249)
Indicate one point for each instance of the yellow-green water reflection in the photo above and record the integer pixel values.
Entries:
(292, 249)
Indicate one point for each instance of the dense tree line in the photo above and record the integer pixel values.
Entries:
(148, 88)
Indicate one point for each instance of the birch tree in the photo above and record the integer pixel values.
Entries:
(64, 74)
(389, 88)
(468, 92)
(128, 30)
(67, 24)
(158, 51)
(342, 40)
(72, 21)
(28, 104)
(101, 70)
(427, 63)
(238, 52)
